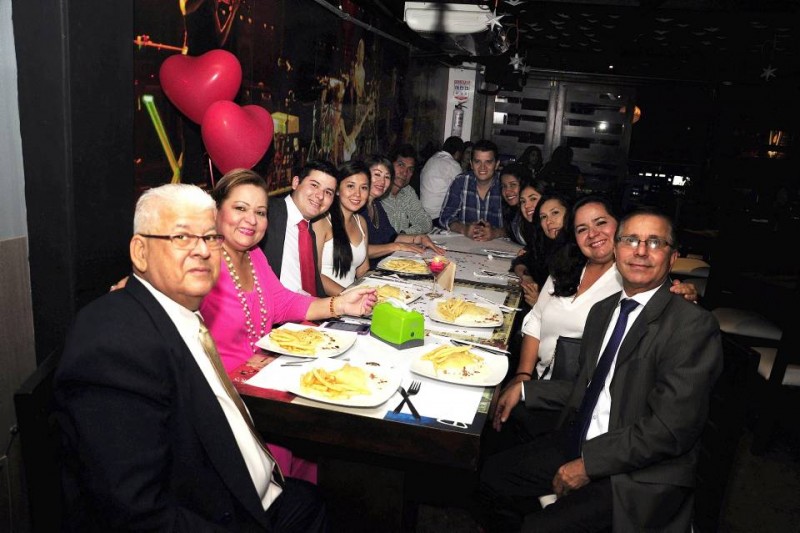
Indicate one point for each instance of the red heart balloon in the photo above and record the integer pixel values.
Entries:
(236, 137)
(194, 83)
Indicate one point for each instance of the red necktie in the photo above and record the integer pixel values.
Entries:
(307, 268)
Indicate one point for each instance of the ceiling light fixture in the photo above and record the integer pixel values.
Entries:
(430, 17)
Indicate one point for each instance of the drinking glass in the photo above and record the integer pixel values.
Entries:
(435, 265)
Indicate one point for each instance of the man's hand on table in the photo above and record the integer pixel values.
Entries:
(483, 231)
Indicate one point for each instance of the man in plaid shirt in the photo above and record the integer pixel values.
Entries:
(473, 206)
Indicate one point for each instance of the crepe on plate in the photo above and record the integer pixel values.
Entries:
(345, 382)
(406, 265)
(455, 361)
(303, 341)
(452, 308)
(389, 291)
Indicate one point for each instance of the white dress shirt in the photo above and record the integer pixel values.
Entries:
(602, 410)
(258, 463)
(290, 262)
(435, 179)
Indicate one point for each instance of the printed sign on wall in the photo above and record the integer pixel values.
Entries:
(461, 90)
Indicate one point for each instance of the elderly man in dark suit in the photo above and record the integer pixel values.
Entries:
(625, 454)
(311, 197)
(155, 437)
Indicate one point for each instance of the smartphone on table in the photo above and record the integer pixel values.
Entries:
(361, 329)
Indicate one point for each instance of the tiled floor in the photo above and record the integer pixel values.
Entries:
(764, 494)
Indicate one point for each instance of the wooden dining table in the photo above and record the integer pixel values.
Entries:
(374, 465)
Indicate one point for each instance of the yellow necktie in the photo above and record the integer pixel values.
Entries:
(211, 351)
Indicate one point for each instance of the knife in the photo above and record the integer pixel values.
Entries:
(407, 399)
(470, 343)
(501, 306)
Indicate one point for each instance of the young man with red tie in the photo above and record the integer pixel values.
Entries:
(289, 241)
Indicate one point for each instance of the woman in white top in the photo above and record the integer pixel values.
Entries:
(583, 273)
(342, 241)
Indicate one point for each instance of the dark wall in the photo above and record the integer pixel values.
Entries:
(299, 59)
(75, 69)
(675, 123)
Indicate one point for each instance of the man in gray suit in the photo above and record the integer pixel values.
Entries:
(625, 453)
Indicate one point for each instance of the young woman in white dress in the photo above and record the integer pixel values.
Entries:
(341, 234)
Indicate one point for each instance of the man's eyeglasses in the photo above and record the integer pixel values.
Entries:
(187, 241)
(653, 243)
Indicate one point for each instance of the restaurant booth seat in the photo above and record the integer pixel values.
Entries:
(748, 325)
(690, 266)
(693, 270)
(40, 446)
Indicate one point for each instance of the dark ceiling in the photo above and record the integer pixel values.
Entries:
(732, 41)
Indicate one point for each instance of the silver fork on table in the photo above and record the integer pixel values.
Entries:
(412, 390)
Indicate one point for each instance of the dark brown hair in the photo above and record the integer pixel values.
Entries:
(234, 178)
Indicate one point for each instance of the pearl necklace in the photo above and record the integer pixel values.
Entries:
(252, 335)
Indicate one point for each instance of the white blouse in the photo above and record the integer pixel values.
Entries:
(359, 255)
(552, 316)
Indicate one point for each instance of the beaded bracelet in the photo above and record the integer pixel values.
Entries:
(530, 375)
(333, 312)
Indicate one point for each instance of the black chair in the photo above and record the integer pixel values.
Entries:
(777, 389)
(719, 442)
(734, 298)
(40, 444)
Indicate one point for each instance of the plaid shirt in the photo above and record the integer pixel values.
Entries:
(405, 212)
(463, 204)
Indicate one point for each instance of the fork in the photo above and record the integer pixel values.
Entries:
(412, 390)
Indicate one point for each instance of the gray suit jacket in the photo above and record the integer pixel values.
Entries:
(665, 370)
(274, 239)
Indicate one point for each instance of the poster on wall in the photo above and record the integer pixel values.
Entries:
(461, 90)
(333, 90)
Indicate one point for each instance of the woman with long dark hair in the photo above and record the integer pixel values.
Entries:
(512, 179)
(342, 239)
(542, 230)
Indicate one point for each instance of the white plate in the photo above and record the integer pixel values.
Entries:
(407, 293)
(490, 374)
(337, 342)
(492, 320)
(385, 260)
(383, 383)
